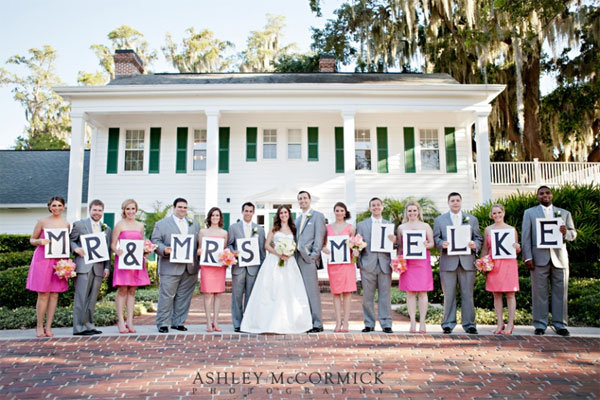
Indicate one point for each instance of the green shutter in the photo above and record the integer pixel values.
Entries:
(112, 156)
(181, 161)
(409, 150)
(382, 150)
(154, 166)
(109, 219)
(450, 140)
(339, 149)
(313, 144)
(224, 150)
(251, 135)
(226, 221)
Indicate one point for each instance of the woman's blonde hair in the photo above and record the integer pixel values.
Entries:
(126, 203)
(500, 206)
(412, 203)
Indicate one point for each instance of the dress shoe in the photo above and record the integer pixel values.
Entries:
(447, 330)
(388, 330)
(316, 330)
(95, 331)
(472, 331)
(84, 333)
(163, 329)
(562, 332)
(368, 329)
(179, 328)
(539, 331)
(237, 330)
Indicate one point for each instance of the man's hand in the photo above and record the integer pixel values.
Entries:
(529, 265)
(80, 252)
(563, 229)
(167, 250)
(472, 245)
(445, 245)
(106, 274)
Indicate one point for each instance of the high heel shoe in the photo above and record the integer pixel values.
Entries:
(126, 330)
(216, 328)
(209, 328)
(130, 330)
(508, 332)
(43, 334)
(499, 331)
(48, 333)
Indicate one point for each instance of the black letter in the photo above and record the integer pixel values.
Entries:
(211, 247)
(186, 242)
(410, 242)
(248, 249)
(129, 258)
(453, 241)
(499, 241)
(543, 232)
(335, 246)
(91, 248)
(61, 236)
(383, 237)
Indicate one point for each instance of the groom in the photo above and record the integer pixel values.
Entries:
(310, 233)
(177, 280)
(242, 278)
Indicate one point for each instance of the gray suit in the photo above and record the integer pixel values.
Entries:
(549, 263)
(242, 278)
(375, 274)
(88, 279)
(310, 240)
(177, 280)
(457, 268)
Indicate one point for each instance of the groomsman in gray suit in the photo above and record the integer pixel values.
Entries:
(547, 263)
(375, 272)
(310, 235)
(89, 276)
(459, 268)
(177, 280)
(243, 277)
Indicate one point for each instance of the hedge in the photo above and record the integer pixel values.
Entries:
(10, 243)
(25, 318)
(15, 259)
(435, 315)
(13, 293)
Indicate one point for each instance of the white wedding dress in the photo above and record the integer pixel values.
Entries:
(278, 303)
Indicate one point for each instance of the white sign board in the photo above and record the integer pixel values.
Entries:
(95, 248)
(380, 242)
(133, 254)
(182, 249)
(413, 246)
(340, 249)
(59, 243)
(211, 250)
(458, 238)
(548, 235)
(502, 244)
(249, 252)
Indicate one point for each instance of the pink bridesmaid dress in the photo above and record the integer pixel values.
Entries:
(130, 277)
(418, 276)
(342, 277)
(212, 279)
(505, 275)
(41, 277)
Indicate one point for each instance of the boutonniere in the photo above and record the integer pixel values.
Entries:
(103, 227)
(308, 216)
(465, 219)
(557, 213)
(254, 231)
(190, 222)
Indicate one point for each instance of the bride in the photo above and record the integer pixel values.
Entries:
(278, 303)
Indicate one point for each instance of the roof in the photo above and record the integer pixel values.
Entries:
(283, 78)
(34, 176)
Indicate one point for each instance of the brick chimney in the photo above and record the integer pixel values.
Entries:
(326, 64)
(127, 62)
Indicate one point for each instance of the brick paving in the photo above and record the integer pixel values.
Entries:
(390, 366)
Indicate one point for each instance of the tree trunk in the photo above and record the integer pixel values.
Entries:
(531, 84)
(594, 155)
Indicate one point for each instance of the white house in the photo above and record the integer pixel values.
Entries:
(223, 139)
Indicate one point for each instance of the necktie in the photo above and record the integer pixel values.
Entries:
(455, 218)
(547, 212)
(182, 226)
(302, 222)
(95, 227)
(246, 230)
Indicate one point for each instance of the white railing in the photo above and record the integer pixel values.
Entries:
(543, 173)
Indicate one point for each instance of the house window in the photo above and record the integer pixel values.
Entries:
(294, 144)
(362, 156)
(199, 150)
(134, 150)
(270, 143)
(430, 149)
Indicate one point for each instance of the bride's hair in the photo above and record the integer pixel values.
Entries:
(277, 220)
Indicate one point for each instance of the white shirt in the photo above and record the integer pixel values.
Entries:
(182, 224)
(376, 220)
(548, 211)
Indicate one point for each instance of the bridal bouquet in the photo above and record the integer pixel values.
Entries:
(398, 264)
(357, 243)
(149, 247)
(286, 247)
(227, 258)
(484, 264)
(65, 269)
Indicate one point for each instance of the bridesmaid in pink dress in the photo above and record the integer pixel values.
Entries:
(504, 278)
(418, 278)
(126, 280)
(342, 277)
(41, 277)
(212, 279)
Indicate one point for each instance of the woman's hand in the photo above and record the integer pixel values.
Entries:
(44, 242)
(517, 246)
(119, 252)
(326, 250)
(199, 252)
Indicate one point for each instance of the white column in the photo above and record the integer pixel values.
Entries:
(349, 169)
(211, 196)
(484, 181)
(75, 167)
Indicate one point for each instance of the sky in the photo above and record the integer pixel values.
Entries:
(71, 26)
